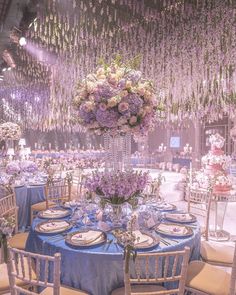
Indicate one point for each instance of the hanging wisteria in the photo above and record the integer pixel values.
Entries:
(187, 47)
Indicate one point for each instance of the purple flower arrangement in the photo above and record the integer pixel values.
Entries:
(116, 99)
(13, 168)
(10, 131)
(117, 187)
(28, 166)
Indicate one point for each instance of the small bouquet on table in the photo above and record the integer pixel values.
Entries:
(7, 225)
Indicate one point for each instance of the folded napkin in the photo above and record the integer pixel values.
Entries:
(53, 226)
(179, 216)
(53, 212)
(141, 239)
(87, 237)
(173, 229)
(72, 203)
(164, 205)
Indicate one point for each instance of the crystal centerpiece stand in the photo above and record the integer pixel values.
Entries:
(118, 158)
(118, 152)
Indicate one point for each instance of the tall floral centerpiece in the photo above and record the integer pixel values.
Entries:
(9, 132)
(117, 102)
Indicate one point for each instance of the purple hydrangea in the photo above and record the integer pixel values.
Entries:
(135, 103)
(87, 117)
(107, 118)
(13, 168)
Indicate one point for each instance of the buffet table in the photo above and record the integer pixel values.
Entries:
(98, 269)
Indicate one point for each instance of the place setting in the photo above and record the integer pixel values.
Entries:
(54, 213)
(53, 226)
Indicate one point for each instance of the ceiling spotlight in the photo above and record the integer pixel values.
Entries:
(9, 68)
(4, 69)
(22, 41)
(1, 79)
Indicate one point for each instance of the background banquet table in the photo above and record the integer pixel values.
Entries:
(97, 270)
(26, 196)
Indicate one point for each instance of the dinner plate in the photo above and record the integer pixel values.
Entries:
(174, 229)
(86, 238)
(165, 206)
(144, 240)
(180, 217)
(54, 213)
(52, 226)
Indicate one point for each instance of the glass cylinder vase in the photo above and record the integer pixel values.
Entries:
(116, 214)
(118, 152)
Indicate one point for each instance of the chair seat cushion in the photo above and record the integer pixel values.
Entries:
(218, 253)
(18, 241)
(64, 291)
(41, 206)
(4, 281)
(208, 278)
(139, 289)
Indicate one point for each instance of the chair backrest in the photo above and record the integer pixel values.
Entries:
(199, 203)
(232, 290)
(57, 192)
(8, 208)
(157, 268)
(34, 270)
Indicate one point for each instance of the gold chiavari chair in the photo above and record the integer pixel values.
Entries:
(199, 204)
(168, 267)
(55, 193)
(37, 271)
(204, 278)
(8, 208)
(218, 253)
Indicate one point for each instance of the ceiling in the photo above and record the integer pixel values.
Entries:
(187, 47)
(4, 6)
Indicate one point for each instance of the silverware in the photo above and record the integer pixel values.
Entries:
(107, 244)
(57, 237)
(164, 242)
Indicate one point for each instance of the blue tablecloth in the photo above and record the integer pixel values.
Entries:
(182, 162)
(97, 270)
(25, 197)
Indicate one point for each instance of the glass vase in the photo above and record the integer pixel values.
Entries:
(118, 152)
(116, 214)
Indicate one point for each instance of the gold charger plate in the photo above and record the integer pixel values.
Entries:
(46, 227)
(153, 240)
(99, 238)
(174, 217)
(55, 213)
(165, 206)
(175, 230)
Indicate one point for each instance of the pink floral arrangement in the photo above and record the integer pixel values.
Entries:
(216, 140)
(116, 99)
(211, 159)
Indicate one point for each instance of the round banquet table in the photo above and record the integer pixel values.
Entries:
(98, 269)
(26, 196)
